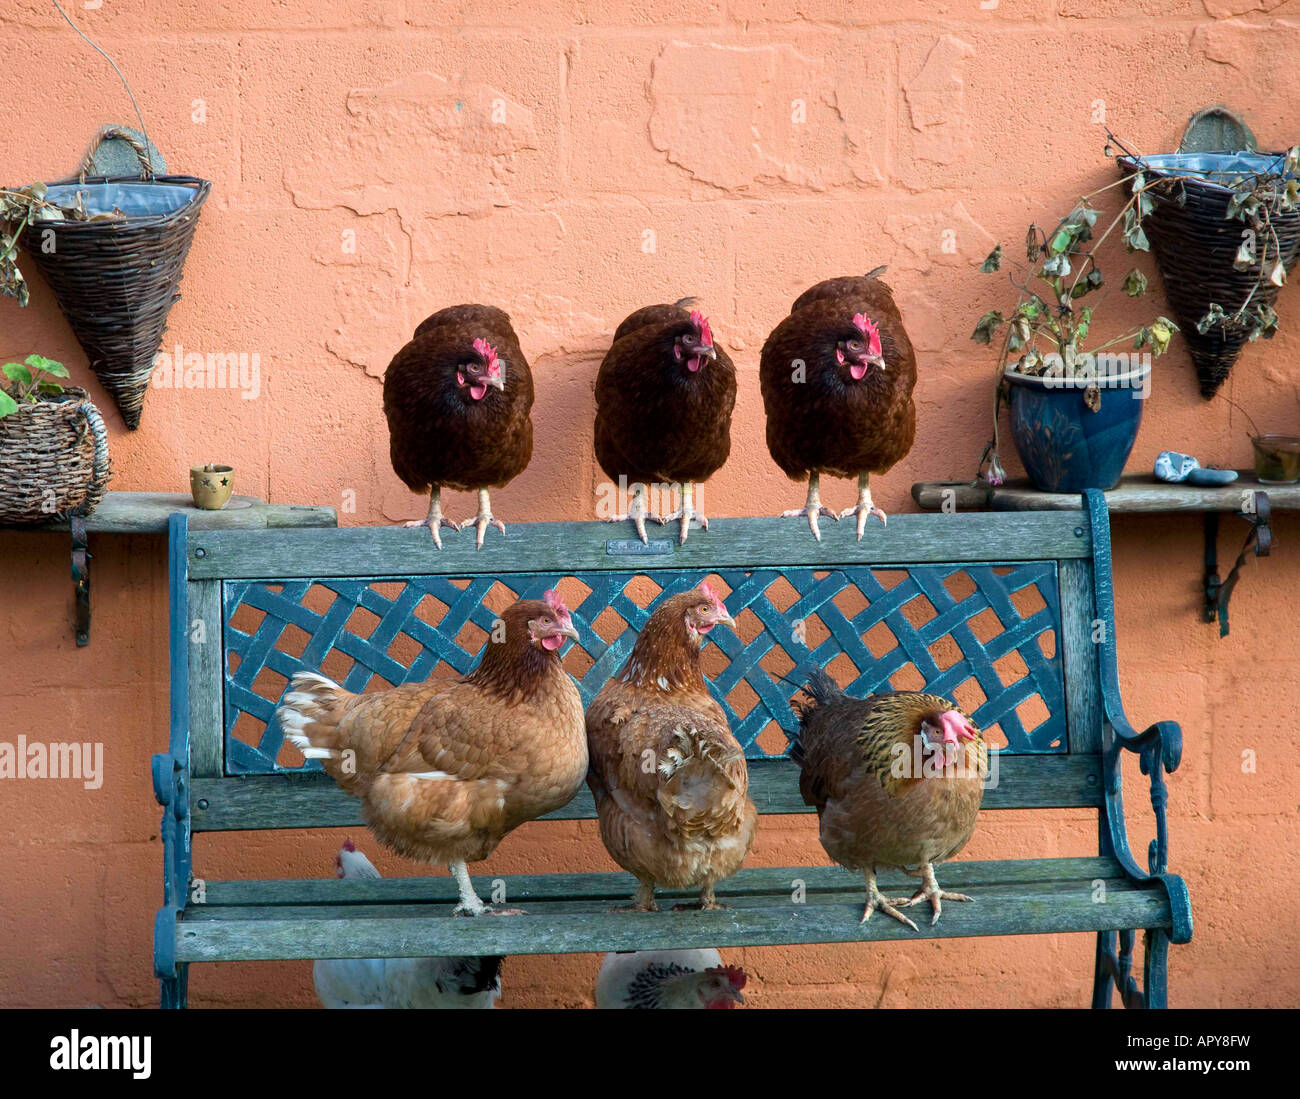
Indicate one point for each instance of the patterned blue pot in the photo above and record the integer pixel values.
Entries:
(1066, 447)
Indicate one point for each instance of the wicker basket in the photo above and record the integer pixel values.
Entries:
(1195, 243)
(53, 460)
(116, 280)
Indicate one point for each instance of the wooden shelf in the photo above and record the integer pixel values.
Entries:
(148, 513)
(1144, 494)
(1137, 492)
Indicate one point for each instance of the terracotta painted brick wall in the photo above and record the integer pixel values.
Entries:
(361, 181)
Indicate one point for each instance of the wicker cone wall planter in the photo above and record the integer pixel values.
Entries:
(116, 279)
(1195, 243)
(53, 460)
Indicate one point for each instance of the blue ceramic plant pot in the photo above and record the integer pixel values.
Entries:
(1064, 445)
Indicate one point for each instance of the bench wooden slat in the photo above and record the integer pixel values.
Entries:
(544, 547)
(1001, 908)
(313, 801)
(285, 894)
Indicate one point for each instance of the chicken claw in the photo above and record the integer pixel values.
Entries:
(813, 508)
(686, 513)
(876, 900)
(864, 508)
(930, 891)
(483, 519)
(644, 901)
(707, 902)
(638, 513)
(435, 518)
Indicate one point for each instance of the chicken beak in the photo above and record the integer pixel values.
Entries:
(497, 380)
(568, 631)
(709, 352)
(724, 619)
(876, 360)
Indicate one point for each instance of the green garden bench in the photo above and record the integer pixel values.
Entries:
(1010, 613)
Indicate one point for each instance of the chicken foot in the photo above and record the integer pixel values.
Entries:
(470, 904)
(930, 891)
(864, 508)
(644, 901)
(877, 901)
(686, 513)
(707, 902)
(813, 508)
(435, 518)
(638, 512)
(483, 519)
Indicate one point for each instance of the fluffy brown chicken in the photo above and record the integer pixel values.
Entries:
(896, 779)
(457, 398)
(837, 377)
(669, 779)
(664, 396)
(445, 769)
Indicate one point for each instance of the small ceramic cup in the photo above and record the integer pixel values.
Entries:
(211, 486)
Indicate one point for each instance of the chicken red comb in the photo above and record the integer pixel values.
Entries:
(711, 595)
(733, 973)
(489, 354)
(348, 845)
(553, 600)
(701, 323)
(869, 332)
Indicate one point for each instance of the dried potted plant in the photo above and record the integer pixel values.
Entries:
(53, 445)
(1051, 374)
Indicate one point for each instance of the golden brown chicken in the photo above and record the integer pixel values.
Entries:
(445, 769)
(896, 779)
(669, 779)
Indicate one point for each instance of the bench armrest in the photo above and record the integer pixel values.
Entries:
(1159, 747)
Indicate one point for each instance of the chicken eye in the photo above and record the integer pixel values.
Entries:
(704, 608)
(855, 345)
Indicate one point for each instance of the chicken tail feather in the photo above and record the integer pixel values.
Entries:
(309, 714)
(821, 690)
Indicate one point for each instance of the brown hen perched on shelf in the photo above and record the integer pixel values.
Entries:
(896, 779)
(446, 769)
(669, 778)
(837, 376)
(664, 397)
(457, 398)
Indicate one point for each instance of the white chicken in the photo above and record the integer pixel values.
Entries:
(401, 982)
(668, 979)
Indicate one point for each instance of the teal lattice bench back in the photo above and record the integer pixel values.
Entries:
(1010, 614)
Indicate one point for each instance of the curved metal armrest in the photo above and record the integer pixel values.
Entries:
(1159, 747)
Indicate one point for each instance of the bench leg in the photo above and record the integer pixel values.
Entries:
(173, 989)
(1155, 981)
(1101, 978)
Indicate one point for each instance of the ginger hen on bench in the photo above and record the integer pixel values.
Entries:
(896, 779)
(446, 769)
(669, 778)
